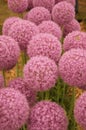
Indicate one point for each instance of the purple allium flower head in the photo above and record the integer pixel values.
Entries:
(47, 115)
(37, 15)
(22, 86)
(48, 4)
(73, 2)
(72, 67)
(80, 111)
(70, 27)
(63, 13)
(18, 6)
(9, 52)
(46, 45)
(50, 27)
(8, 23)
(1, 81)
(41, 73)
(14, 109)
(76, 39)
(22, 32)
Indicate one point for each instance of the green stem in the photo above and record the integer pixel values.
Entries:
(4, 78)
(17, 69)
(58, 87)
(47, 95)
(24, 128)
(63, 95)
(71, 115)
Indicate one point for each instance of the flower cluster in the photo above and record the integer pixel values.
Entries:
(47, 115)
(14, 109)
(9, 52)
(22, 86)
(63, 13)
(51, 28)
(41, 73)
(22, 31)
(76, 39)
(72, 67)
(48, 4)
(45, 44)
(37, 15)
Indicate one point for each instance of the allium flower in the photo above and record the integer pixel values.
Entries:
(73, 2)
(76, 39)
(22, 86)
(46, 45)
(8, 23)
(18, 6)
(72, 67)
(63, 13)
(70, 27)
(47, 115)
(50, 27)
(41, 73)
(9, 52)
(1, 81)
(22, 32)
(44, 3)
(37, 15)
(80, 110)
(14, 109)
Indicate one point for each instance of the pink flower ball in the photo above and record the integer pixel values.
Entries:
(48, 4)
(80, 110)
(51, 28)
(9, 52)
(47, 115)
(63, 13)
(18, 6)
(22, 86)
(70, 27)
(14, 109)
(37, 15)
(1, 81)
(8, 23)
(76, 39)
(73, 2)
(22, 32)
(72, 67)
(41, 73)
(46, 45)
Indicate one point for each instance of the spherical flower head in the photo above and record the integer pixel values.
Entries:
(72, 67)
(70, 27)
(41, 73)
(9, 52)
(8, 23)
(63, 13)
(22, 86)
(14, 109)
(73, 2)
(37, 15)
(46, 115)
(76, 39)
(46, 45)
(22, 32)
(80, 110)
(51, 28)
(18, 6)
(1, 81)
(48, 4)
